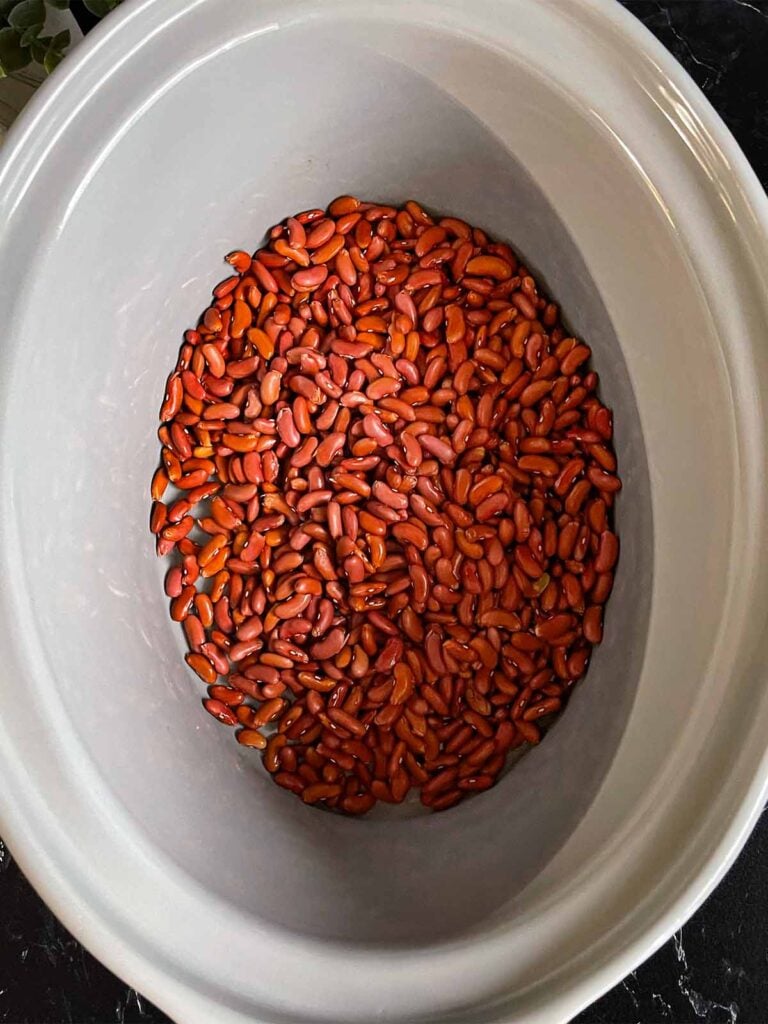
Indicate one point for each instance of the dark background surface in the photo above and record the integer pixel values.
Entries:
(716, 967)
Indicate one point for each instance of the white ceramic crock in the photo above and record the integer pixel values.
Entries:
(181, 130)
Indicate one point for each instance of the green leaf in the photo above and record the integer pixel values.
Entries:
(60, 5)
(12, 56)
(52, 59)
(100, 8)
(55, 54)
(38, 51)
(30, 34)
(27, 14)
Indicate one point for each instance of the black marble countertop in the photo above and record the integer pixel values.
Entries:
(715, 969)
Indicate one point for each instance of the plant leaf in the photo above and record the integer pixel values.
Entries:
(29, 34)
(6, 6)
(60, 5)
(38, 51)
(52, 58)
(12, 56)
(27, 14)
(61, 40)
(99, 8)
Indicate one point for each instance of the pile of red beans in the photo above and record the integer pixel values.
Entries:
(386, 485)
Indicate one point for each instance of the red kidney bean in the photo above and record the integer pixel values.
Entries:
(607, 552)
